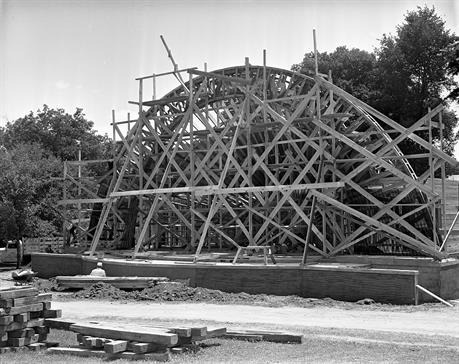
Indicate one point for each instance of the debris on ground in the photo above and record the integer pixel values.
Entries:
(23, 275)
(366, 301)
(181, 292)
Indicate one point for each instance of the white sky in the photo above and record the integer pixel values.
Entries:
(87, 53)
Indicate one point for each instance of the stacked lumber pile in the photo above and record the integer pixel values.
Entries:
(22, 315)
(134, 342)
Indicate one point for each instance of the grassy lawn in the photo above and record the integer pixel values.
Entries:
(315, 350)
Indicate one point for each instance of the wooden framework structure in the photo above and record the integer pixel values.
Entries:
(256, 155)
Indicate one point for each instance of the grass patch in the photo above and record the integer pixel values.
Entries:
(315, 350)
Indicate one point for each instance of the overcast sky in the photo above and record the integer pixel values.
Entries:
(86, 53)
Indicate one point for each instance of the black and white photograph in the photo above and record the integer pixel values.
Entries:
(233, 181)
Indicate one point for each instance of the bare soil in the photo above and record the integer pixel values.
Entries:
(430, 326)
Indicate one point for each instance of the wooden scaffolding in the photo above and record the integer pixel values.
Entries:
(256, 156)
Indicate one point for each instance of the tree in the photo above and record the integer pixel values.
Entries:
(27, 190)
(57, 132)
(452, 53)
(32, 151)
(412, 67)
(353, 70)
(405, 76)
(415, 64)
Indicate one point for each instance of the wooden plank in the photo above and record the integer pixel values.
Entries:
(37, 346)
(115, 346)
(199, 331)
(142, 348)
(81, 201)
(215, 189)
(6, 320)
(211, 332)
(245, 337)
(137, 333)
(58, 323)
(41, 330)
(238, 80)
(52, 313)
(81, 352)
(26, 308)
(22, 341)
(32, 299)
(6, 303)
(27, 332)
(17, 292)
(273, 336)
(19, 326)
(162, 357)
(22, 317)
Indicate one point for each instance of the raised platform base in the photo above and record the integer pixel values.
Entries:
(348, 278)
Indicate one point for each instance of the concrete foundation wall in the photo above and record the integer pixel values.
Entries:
(441, 278)
(350, 284)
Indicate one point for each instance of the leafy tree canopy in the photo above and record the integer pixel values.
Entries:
(352, 69)
(57, 132)
(32, 151)
(408, 73)
(28, 190)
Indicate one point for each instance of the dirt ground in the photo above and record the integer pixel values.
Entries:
(441, 322)
(432, 324)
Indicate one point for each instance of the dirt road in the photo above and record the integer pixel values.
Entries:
(434, 322)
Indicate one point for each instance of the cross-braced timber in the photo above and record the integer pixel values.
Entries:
(256, 155)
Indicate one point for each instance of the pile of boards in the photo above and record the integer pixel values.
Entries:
(135, 342)
(22, 314)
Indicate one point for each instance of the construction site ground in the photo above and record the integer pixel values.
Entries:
(335, 331)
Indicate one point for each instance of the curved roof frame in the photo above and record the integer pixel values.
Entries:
(243, 155)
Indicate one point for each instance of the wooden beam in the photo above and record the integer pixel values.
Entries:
(240, 81)
(406, 239)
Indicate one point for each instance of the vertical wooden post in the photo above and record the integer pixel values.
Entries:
(79, 183)
(249, 153)
(141, 177)
(64, 196)
(264, 86)
(443, 175)
(333, 125)
(192, 168)
(114, 146)
(432, 182)
(311, 217)
(140, 95)
(316, 62)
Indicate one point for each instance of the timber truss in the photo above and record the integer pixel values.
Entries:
(255, 155)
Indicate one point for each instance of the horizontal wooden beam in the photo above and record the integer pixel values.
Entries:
(404, 238)
(389, 121)
(82, 200)
(162, 101)
(91, 161)
(242, 81)
(165, 73)
(214, 190)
